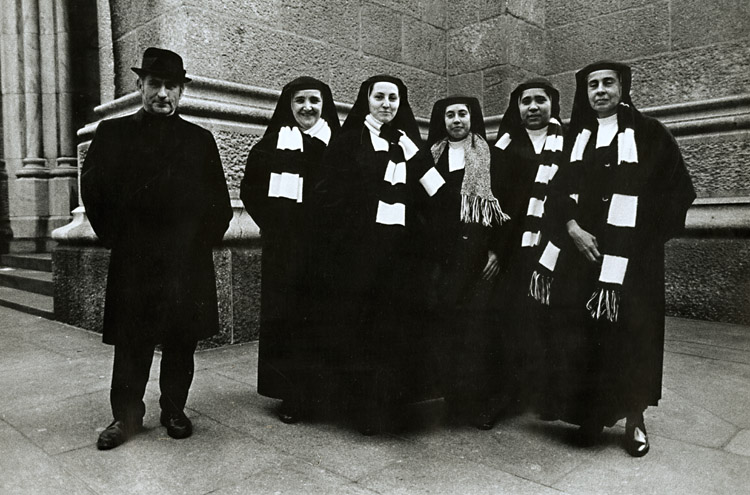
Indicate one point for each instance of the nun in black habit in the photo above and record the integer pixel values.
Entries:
(623, 192)
(365, 204)
(276, 190)
(462, 219)
(525, 159)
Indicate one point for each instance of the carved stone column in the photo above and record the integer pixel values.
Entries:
(38, 134)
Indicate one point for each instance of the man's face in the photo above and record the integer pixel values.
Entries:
(307, 105)
(535, 108)
(457, 121)
(384, 101)
(605, 92)
(160, 96)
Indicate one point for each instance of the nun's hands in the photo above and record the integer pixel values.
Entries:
(492, 268)
(585, 242)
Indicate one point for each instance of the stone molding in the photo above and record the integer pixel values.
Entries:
(226, 104)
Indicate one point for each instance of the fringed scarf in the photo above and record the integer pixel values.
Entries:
(400, 149)
(616, 241)
(478, 205)
(548, 166)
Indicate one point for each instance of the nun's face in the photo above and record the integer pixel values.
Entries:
(457, 121)
(535, 108)
(307, 104)
(605, 92)
(384, 101)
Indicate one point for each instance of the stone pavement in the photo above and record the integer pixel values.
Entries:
(54, 382)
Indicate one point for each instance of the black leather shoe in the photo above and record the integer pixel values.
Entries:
(636, 438)
(178, 425)
(288, 413)
(115, 434)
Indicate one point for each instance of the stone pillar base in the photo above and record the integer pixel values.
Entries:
(80, 278)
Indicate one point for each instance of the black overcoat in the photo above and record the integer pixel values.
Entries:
(155, 193)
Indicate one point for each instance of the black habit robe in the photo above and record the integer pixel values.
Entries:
(607, 369)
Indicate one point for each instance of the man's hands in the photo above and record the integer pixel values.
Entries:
(585, 242)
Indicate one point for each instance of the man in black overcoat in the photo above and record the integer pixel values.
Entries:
(154, 191)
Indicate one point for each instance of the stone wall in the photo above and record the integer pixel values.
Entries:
(680, 50)
(267, 43)
(492, 46)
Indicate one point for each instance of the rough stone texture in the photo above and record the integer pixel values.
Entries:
(246, 292)
(708, 279)
(477, 46)
(622, 36)
(423, 46)
(80, 281)
(381, 32)
(532, 11)
(336, 22)
(498, 84)
(127, 15)
(233, 149)
(718, 163)
(692, 75)
(697, 22)
(496, 41)
(470, 84)
(559, 13)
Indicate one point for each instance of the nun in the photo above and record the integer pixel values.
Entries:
(463, 218)
(276, 191)
(365, 204)
(525, 160)
(622, 193)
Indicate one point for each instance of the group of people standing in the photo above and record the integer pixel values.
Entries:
(522, 274)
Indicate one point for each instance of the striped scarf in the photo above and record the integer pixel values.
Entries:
(400, 149)
(616, 240)
(550, 157)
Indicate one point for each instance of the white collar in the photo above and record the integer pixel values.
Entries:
(612, 119)
(320, 130)
(373, 124)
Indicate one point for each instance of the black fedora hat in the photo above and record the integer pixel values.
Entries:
(162, 63)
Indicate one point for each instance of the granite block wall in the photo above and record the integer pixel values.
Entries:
(680, 50)
(492, 46)
(266, 43)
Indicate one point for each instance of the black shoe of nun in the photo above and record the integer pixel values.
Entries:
(636, 437)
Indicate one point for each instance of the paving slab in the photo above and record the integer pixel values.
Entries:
(670, 467)
(296, 477)
(152, 462)
(24, 468)
(680, 419)
(740, 444)
(424, 474)
(721, 387)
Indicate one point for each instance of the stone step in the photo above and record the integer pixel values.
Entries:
(30, 261)
(28, 302)
(34, 281)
